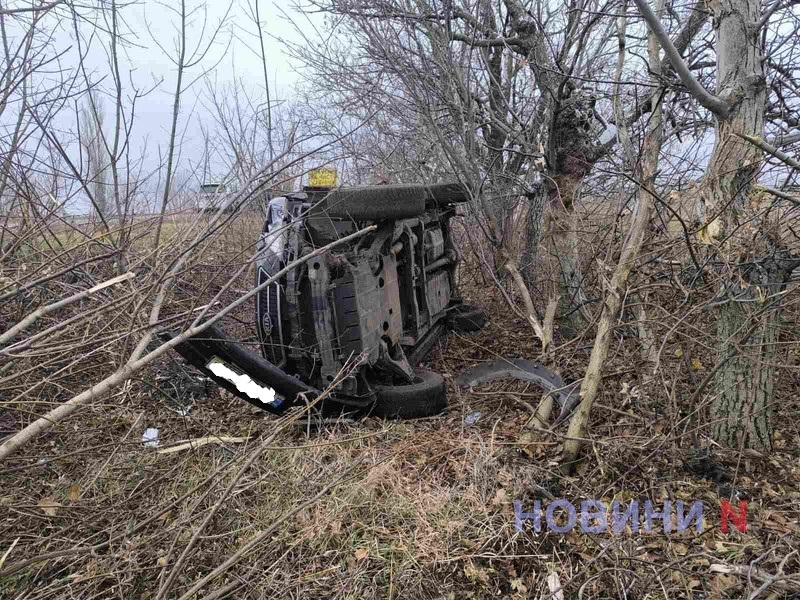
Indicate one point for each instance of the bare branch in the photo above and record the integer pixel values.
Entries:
(29, 9)
(128, 370)
(713, 103)
(781, 156)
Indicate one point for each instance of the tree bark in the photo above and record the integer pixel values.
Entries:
(740, 411)
(563, 245)
(752, 262)
(615, 294)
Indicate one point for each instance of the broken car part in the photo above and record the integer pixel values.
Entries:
(381, 302)
(565, 394)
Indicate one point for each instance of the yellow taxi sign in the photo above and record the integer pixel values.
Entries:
(324, 177)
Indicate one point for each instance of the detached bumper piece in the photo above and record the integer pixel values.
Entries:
(241, 371)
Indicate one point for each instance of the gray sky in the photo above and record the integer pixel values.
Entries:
(233, 57)
(147, 63)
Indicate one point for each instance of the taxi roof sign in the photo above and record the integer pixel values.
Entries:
(324, 177)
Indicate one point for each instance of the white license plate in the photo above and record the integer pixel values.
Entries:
(244, 383)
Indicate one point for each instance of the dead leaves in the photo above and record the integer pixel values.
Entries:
(361, 554)
(697, 364)
(74, 492)
(517, 585)
(500, 497)
(554, 585)
(90, 571)
(477, 574)
(49, 506)
(710, 232)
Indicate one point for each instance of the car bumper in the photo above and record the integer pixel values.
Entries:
(242, 372)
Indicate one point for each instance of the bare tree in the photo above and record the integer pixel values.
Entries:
(92, 117)
(752, 262)
(510, 96)
(634, 237)
(184, 59)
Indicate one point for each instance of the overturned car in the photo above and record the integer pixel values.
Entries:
(358, 318)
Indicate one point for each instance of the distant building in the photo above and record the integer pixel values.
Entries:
(211, 196)
(212, 188)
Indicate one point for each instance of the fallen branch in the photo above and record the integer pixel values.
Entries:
(45, 310)
(80, 550)
(177, 569)
(7, 552)
(542, 413)
(203, 441)
(786, 583)
(100, 389)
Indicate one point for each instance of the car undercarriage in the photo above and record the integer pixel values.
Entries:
(355, 320)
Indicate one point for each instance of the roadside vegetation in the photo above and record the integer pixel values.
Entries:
(632, 225)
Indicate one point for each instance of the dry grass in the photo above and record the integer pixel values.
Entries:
(425, 508)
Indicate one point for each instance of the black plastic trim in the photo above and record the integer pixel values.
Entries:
(199, 350)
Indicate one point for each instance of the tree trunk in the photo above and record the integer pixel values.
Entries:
(744, 384)
(553, 222)
(741, 411)
(534, 231)
(564, 235)
(617, 287)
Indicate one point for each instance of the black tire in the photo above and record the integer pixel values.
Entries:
(468, 319)
(426, 397)
(448, 193)
(376, 203)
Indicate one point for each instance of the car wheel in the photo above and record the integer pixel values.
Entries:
(425, 397)
(448, 193)
(467, 319)
(376, 203)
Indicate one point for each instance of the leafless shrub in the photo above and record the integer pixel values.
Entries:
(636, 166)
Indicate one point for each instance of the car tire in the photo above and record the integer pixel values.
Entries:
(376, 203)
(426, 397)
(448, 193)
(468, 319)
